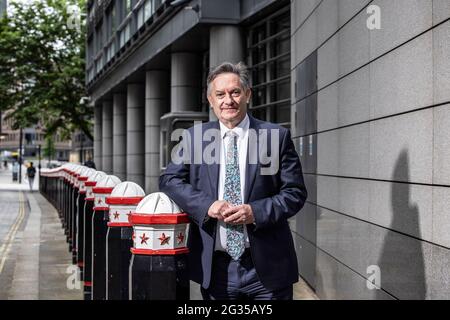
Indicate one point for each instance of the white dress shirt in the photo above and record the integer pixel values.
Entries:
(242, 142)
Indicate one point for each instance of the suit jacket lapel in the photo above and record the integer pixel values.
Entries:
(250, 173)
(213, 169)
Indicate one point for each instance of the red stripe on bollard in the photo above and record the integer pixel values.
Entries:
(124, 200)
(150, 252)
(102, 190)
(118, 224)
(179, 218)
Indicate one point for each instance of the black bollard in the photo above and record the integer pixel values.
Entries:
(159, 269)
(99, 229)
(122, 202)
(69, 211)
(87, 232)
(73, 223)
(84, 175)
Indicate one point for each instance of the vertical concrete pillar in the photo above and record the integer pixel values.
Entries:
(226, 43)
(107, 130)
(120, 135)
(156, 104)
(98, 159)
(135, 133)
(185, 89)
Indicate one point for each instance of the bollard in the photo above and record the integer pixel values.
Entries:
(87, 232)
(73, 212)
(99, 228)
(84, 175)
(58, 191)
(65, 175)
(158, 267)
(70, 205)
(122, 202)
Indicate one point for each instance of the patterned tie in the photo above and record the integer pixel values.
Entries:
(232, 194)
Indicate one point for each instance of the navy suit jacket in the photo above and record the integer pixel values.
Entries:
(273, 198)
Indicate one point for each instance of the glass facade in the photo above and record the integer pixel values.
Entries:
(114, 24)
(268, 57)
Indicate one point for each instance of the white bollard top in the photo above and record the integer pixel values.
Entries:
(86, 173)
(91, 182)
(127, 189)
(83, 177)
(159, 227)
(108, 181)
(72, 173)
(96, 177)
(78, 171)
(103, 189)
(157, 203)
(122, 203)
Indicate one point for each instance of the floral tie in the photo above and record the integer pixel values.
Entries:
(232, 194)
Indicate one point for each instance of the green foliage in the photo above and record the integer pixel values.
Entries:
(49, 150)
(42, 67)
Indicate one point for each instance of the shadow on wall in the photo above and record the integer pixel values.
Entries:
(326, 273)
(401, 261)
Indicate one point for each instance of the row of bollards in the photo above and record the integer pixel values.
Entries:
(127, 246)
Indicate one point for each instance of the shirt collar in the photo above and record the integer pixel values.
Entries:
(240, 129)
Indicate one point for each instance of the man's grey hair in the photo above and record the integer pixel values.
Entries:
(240, 69)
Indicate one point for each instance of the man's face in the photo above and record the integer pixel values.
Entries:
(228, 99)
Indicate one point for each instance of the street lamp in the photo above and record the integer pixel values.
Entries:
(2, 135)
(20, 155)
(39, 157)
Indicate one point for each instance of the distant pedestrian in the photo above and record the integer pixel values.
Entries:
(5, 163)
(31, 172)
(15, 171)
(89, 163)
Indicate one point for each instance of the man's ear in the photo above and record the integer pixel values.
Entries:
(210, 100)
(249, 95)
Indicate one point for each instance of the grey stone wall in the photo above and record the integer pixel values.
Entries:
(375, 105)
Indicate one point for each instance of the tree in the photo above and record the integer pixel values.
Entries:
(42, 67)
(49, 150)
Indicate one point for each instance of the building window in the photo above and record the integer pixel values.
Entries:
(268, 57)
(127, 6)
(111, 21)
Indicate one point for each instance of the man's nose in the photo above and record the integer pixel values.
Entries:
(228, 99)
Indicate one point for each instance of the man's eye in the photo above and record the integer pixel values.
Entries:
(220, 95)
(236, 93)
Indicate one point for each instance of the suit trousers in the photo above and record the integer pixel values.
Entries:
(238, 280)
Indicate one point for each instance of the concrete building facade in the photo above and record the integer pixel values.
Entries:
(32, 138)
(364, 87)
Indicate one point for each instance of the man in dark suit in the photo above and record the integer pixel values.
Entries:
(240, 242)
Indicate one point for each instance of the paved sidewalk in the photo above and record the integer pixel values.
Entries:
(38, 265)
(6, 182)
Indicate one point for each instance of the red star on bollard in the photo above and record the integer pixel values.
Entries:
(180, 238)
(164, 239)
(116, 215)
(144, 239)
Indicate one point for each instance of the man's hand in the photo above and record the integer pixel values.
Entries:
(217, 208)
(242, 214)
